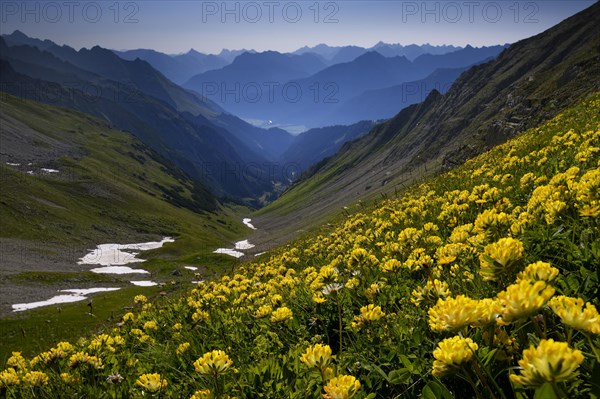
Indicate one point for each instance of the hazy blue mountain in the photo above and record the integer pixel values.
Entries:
(385, 103)
(18, 37)
(230, 55)
(178, 68)
(317, 144)
(147, 108)
(341, 83)
(337, 54)
(253, 78)
(281, 88)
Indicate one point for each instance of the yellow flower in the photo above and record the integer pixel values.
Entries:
(69, 378)
(17, 361)
(82, 358)
(318, 356)
(368, 314)
(140, 299)
(390, 266)
(522, 299)
(8, 377)
(538, 271)
(213, 363)
(181, 349)
(150, 325)
(437, 289)
(352, 283)
(35, 379)
(341, 387)
(151, 382)
(549, 362)
(571, 312)
(498, 256)
(263, 311)
(451, 353)
(128, 317)
(202, 394)
(453, 313)
(281, 314)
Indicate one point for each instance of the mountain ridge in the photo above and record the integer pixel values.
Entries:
(526, 84)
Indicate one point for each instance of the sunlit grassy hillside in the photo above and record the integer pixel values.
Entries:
(482, 282)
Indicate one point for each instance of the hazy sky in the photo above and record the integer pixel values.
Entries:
(209, 26)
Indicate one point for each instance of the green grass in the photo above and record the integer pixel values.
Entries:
(111, 188)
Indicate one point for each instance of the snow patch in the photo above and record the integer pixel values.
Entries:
(13, 164)
(230, 252)
(247, 222)
(116, 254)
(118, 270)
(75, 296)
(46, 170)
(245, 244)
(190, 267)
(144, 283)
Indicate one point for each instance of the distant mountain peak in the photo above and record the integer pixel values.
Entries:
(370, 55)
(18, 34)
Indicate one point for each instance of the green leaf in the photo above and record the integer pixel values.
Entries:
(400, 376)
(406, 362)
(545, 392)
(436, 390)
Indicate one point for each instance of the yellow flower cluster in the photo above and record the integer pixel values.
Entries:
(317, 356)
(498, 256)
(8, 378)
(538, 271)
(572, 312)
(432, 290)
(17, 361)
(80, 359)
(152, 383)
(35, 378)
(213, 363)
(523, 299)
(452, 314)
(202, 394)
(549, 362)
(451, 354)
(341, 387)
(182, 348)
(368, 314)
(281, 314)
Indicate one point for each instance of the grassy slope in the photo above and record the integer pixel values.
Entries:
(106, 191)
(506, 192)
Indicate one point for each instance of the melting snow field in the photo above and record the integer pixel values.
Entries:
(243, 245)
(144, 283)
(239, 246)
(230, 252)
(114, 255)
(75, 296)
(190, 267)
(247, 222)
(118, 270)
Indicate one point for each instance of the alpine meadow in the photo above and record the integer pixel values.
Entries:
(416, 221)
